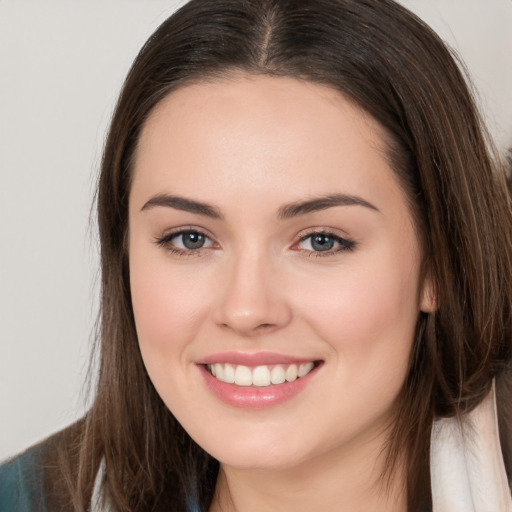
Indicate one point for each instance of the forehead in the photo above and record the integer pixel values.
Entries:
(259, 134)
(258, 98)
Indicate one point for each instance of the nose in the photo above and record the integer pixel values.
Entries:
(253, 299)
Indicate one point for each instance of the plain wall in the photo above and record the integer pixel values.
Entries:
(61, 66)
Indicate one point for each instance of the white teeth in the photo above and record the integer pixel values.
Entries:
(277, 375)
(229, 374)
(260, 376)
(243, 376)
(219, 371)
(304, 369)
(291, 373)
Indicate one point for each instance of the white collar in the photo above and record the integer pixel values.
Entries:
(466, 463)
(96, 499)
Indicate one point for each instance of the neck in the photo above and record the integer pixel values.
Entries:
(334, 482)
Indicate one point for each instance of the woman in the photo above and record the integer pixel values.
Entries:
(305, 274)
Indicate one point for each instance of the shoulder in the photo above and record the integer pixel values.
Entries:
(21, 483)
(31, 480)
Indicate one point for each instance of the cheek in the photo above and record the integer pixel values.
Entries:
(168, 306)
(167, 303)
(368, 318)
(367, 315)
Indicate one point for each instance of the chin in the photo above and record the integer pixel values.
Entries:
(258, 461)
(257, 452)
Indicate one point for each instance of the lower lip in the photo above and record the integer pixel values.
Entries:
(254, 397)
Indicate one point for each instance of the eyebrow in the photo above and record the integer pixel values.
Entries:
(322, 203)
(285, 212)
(181, 203)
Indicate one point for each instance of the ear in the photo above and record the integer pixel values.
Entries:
(428, 301)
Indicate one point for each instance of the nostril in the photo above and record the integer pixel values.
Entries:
(249, 330)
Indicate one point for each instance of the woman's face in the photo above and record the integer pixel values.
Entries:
(270, 241)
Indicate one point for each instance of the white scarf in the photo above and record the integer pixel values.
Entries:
(466, 464)
(96, 491)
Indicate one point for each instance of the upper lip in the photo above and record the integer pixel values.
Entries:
(253, 359)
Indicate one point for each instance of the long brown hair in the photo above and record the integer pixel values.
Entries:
(398, 70)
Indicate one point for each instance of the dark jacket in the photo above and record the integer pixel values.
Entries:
(33, 481)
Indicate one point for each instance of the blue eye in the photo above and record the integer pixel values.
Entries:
(185, 241)
(191, 240)
(321, 242)
(325, 243)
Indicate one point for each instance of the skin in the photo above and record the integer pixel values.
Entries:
(248, 146)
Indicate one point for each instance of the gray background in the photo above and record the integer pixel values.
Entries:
(61, 67)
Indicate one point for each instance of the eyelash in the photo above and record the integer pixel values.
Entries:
(344, 244)
(166, 242)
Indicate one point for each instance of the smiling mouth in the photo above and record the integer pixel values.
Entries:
(259, 376)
